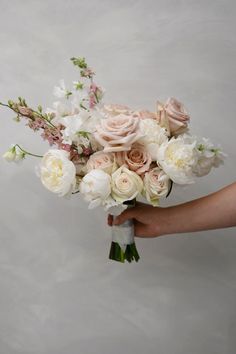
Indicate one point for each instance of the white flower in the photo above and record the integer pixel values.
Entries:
(60, 91)
(126, 184)
(156, 185)
(96, 187)
(14, 154)
(57, 172)
(178, 157)
(84, 122)
(208, 157)
(152, 136)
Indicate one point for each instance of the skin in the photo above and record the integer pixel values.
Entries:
(214, 211)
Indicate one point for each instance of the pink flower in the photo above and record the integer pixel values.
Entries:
(117, 133)
(137, 159)
(102, 161)
(173, 116)
(116, 109)
(144, 114)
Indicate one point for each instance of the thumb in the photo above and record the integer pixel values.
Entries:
(125, 215)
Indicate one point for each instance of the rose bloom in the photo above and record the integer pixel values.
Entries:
(144, 114)
(57, 172)
(173, 116)
(95, 187)
(125, 184)
(152, 136)
(156, 185)
(178, 157)
(116, 109)
(117, 133)
(137, 159)
(102, 161)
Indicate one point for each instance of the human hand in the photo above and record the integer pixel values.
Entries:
(147, 219)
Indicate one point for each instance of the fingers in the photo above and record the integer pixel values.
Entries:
(125, 215)
(143, 230)
(110, 220)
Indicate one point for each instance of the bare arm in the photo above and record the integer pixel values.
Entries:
(214, 211)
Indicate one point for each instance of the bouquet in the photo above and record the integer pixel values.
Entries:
(112, 154)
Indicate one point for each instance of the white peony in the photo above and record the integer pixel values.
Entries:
(57, 172)
(125, 184)
(96, 187)
(153, 135)
(178, 157)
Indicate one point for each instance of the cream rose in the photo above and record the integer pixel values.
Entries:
(137, 159)
(152, 136)
(102, 161)
(57, 172)
(178, 157)
(96, 187)
(173, 116)
(156, 185)
(117, 133)
(125, 184)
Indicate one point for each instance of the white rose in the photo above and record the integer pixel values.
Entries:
(96, 187)
(57, 172)
(152, 136)
(178, 157)
(125, 184)
(156, 185)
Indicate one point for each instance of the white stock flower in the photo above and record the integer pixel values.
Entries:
(208, 157)
(60, 91)
(125, 184)
(153, 135)
(81, 122)
(57, 172)
(96, 188)
(178, 157)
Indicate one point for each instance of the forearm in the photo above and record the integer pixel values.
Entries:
(217, 210)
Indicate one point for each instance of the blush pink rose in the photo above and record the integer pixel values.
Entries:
(115, 109)
(117, 133)
(137, 159)
(144, 114)
(101, 161)
(173, 116)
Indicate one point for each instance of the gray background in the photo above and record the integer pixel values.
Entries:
(59, 293)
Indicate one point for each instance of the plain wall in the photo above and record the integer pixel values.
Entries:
(59, 292)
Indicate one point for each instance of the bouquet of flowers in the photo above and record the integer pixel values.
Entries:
(112, 154)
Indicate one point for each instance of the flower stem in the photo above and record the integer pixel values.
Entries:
(28, 153)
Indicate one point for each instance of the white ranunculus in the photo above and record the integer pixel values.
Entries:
(96, 188)
(152, 136)
(156, 185)
(208, 157)
(178, 157)
(57, 172)
(125, 184)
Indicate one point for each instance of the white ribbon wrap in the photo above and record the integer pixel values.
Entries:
(123, 234)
